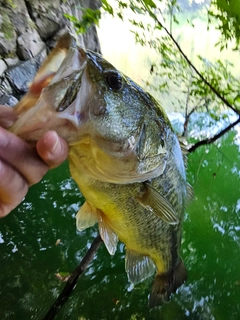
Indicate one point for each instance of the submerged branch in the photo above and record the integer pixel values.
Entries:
(72, 280)
(214, 138)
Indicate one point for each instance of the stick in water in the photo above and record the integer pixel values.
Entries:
(72, 280)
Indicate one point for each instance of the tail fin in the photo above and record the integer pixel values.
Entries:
(167, 283)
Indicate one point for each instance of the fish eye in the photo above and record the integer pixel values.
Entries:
(114, 80)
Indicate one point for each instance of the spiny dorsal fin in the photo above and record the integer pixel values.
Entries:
(138, 267)
(86, 217)
(156, 203)
(108, 236)
(167, 283)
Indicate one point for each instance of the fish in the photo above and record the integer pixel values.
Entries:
(124, 156)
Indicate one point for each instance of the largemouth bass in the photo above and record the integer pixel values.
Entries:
(123, 155)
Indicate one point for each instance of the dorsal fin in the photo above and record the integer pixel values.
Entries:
(152, 200)
(86, 217)
(138, 266)
(108, 236)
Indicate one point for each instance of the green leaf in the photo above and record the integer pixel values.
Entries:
(237, 98)
(90, 17)
(107, 7)
(150, 3)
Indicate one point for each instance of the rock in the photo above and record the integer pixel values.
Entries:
(47, 16)
(7, 99)
(21, 75)
(3, 67)
(5, 87)
(7, 34)
(29, 44)
(47, 27)
(90, 40)
(10, 62)
(20, 17)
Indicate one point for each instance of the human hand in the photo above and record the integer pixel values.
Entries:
(21, 165)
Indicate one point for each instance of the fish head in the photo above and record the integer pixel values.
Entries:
(113, 109)
(86, 91)
(102, 114)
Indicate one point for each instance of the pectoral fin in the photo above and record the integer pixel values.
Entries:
(138, 267)
(86, 217)
(108, 236)
(156, 203)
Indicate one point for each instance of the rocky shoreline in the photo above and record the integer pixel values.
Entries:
(28, 30)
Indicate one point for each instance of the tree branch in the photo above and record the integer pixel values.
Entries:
(225, 101)
(188, 115)
(72, 280)
(214, 138)
(186, 111)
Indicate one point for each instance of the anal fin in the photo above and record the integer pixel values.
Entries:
(152, 200)
(138, 267)
(167, 283)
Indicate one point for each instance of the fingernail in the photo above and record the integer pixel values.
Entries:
(6, 123)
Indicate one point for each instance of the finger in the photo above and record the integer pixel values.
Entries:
(21, 156)
(7, 116)
(13, 188)
(52, 149)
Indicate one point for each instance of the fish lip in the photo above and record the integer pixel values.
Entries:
(58, 106)
(69, 106)
(75, 111)
(31, 128)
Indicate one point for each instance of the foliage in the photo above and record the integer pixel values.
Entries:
(90, 17)
(226, 13)
(172, 73)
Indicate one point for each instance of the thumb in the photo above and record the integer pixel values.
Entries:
(52, 149)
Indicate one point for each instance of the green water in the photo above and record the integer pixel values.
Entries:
(29, 256)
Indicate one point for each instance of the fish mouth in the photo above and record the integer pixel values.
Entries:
(56, 97)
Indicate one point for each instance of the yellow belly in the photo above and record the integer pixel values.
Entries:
(126, 221)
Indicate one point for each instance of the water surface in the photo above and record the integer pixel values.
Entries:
(39, 239)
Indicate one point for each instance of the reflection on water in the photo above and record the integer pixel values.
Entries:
(39, 239)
